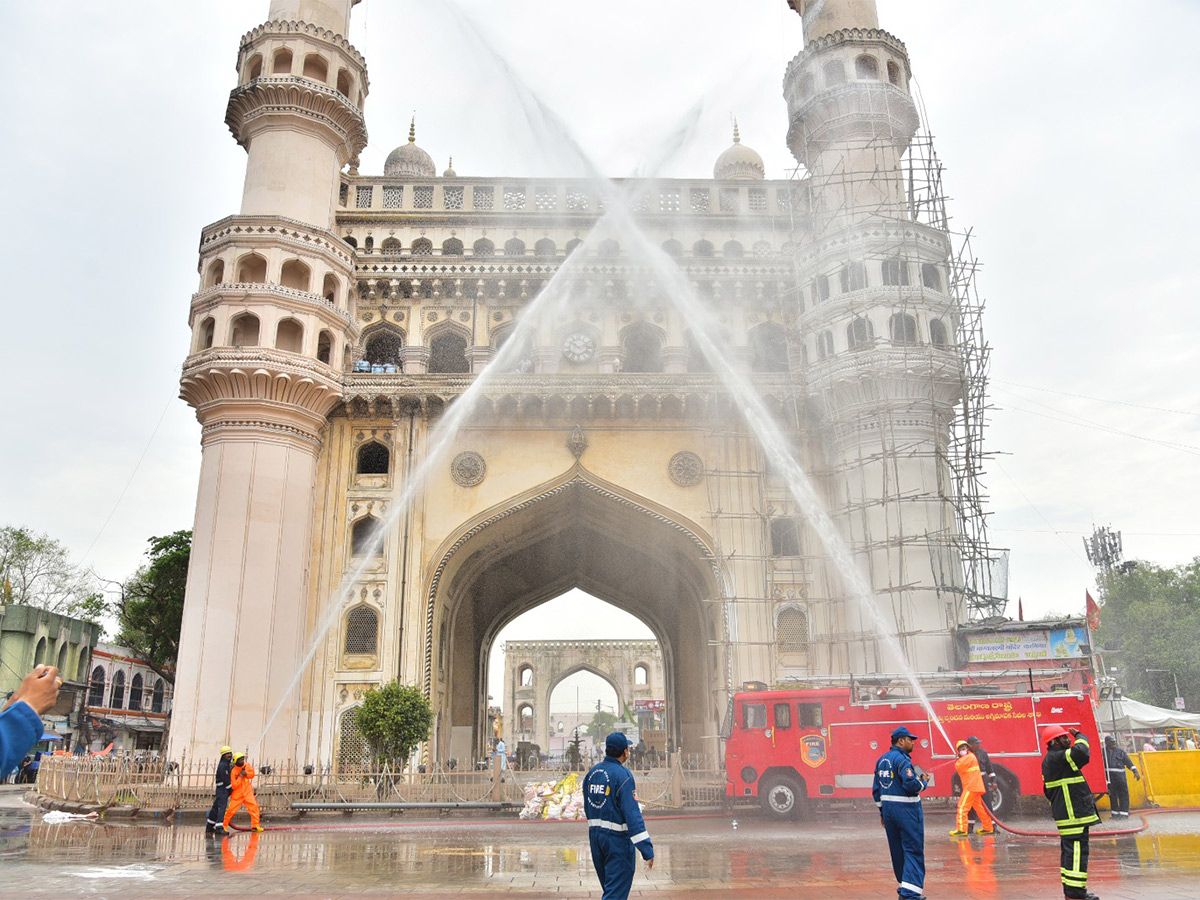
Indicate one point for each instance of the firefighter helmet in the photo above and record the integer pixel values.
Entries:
(226, 749)
(1050, 732)
(960, 744)
(238, 756)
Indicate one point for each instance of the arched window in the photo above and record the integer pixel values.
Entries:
(791, 630)
(289, 336)
(390, 246)
(572, 245)
(866, 68)
(860, 333)
(703, 248)
(525, 718)
(769, 349)
(526, 676)
(902, 328)
(316, 68)
(893, 71)
(353, 242)
(116, 699)
(81, 668)
(734, 250)
(835, 73)
(785, 537)
(61, 662)
(383, 347)
(243, 331)
(254, 67)
(345, 84)
(641, 675)
(807, 85)
(452, 247)
(135, 692)
(252, 269)
(609, 249)
(96, 687)
(931, 277)
(365, 537)
(853, 277)
(672, 248)
(216, 273)
(362, 630)
(373, 458)
(643, 351)
(514, 247)
(820, 288)
(282, 63)
(331, 288)
(422, 247)
(696, 360)
(545, 247)
(484, 247)
(895, 272)
(160, 692)
(937, 333)
(324, 347)
(39, 654)
(824, 344)
(448, 353)
(352, 746)
(369, 244)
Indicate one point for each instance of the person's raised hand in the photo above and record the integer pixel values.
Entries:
(39, 689)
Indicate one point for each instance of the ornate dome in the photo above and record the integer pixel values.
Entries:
(409, 160)
(450, 173)
(739, 162)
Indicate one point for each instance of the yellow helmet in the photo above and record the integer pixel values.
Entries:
(961, 744)
(238, 756)
(226, 749)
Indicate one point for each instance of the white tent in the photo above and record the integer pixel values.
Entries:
(1134, 716)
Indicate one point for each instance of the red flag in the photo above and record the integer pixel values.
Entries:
(1020, 610)
(1093, 612)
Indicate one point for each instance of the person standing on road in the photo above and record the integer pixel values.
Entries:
(21, 722)
(242, 793)
(1116, 761)
(1071, 804)
(973, 792)
(615, 824)
(897, 792)
(215, 824)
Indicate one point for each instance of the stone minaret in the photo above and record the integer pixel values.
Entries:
(270, 324)
(879, 327)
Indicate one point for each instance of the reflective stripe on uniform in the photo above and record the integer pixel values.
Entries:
(889, 798)
(611, 826)
(640, 836)
(912, 887)
(1073, 779)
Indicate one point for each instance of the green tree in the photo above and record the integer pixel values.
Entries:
(36, 570)
(1151, 620)
(393, 719)
(601, 724)
(149, 604)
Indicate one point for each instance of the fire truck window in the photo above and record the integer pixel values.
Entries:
(810, 715)
(783, 715)
(754, 715)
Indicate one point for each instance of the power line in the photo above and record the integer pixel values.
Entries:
(1033, 387)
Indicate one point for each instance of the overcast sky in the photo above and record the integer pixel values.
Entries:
(1067, 130)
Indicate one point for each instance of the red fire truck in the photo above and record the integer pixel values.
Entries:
(788, 748)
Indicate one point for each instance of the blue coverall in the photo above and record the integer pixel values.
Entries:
(20, 728)
(615, 826)
(897, 793)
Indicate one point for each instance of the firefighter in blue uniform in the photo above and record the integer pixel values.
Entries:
(615, 824)
(1071, 804)
(897, 792)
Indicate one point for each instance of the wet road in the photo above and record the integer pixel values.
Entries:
(841, 856)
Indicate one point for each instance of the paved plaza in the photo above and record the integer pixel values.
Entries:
(840, 855)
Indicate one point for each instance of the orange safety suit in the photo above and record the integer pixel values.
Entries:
(230, 860)
(242, 794)
(973, 790)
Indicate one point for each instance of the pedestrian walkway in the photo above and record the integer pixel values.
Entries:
(842, 857)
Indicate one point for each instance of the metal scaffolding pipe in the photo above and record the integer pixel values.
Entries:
(304, 806)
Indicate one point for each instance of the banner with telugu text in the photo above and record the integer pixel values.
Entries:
(1025, 646)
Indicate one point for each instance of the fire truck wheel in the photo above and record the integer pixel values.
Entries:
(1002, 799)
(781, 797)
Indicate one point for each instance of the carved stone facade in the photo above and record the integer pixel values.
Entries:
(533, 669)
(342, 317)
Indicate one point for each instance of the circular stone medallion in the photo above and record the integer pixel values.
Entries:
(686, 469)
(468, 468)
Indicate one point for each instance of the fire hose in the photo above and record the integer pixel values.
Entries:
(1118, 832)
(376, 826)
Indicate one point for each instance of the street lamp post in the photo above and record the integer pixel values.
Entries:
(1175, 678)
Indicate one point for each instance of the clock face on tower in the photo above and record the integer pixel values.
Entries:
(578, 347)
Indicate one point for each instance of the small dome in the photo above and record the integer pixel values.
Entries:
(450, 173)
(739, 162)
(409, 160)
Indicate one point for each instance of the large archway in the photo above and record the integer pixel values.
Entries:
(580, 533)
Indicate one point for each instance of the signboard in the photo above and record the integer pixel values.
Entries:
(1179, 704)
(649, 705)
(1021, 646)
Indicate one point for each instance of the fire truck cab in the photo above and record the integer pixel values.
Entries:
(789, 748)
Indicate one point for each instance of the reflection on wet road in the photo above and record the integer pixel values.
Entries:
(842, 856)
